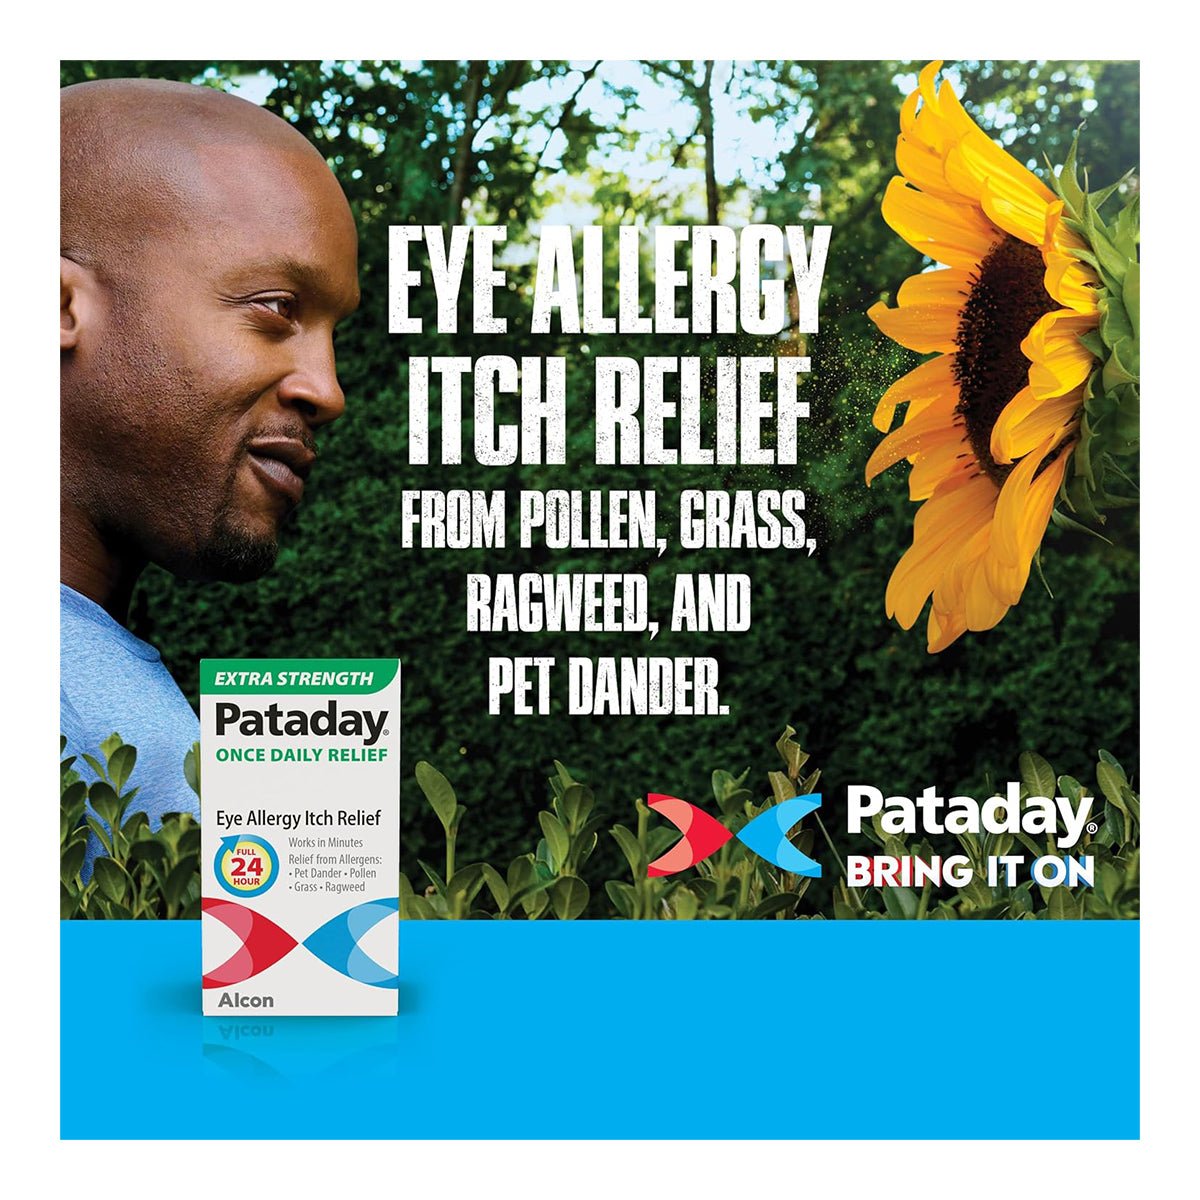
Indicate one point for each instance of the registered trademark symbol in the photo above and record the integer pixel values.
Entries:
(1092, 827)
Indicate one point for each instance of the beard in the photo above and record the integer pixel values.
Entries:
(233, 555)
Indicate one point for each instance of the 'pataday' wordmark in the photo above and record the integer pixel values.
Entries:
(300, 790)
(931, 813)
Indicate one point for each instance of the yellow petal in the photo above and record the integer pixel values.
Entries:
(976, 161)
(1006, 583)
(908, 113)
(983, 607)
(1071, 282)
(947, 286)
(920, 327)
(924, 167)
(1024, 426)
(1014, 412)
(944, 630)
(956, 234)
(1006, 542)
(1014, 209)
(951, 111)
(919, 388)
(934, 466)
(1058, 361)
(1040, 503)
(931, 428)
(927, 83)
(950, 593)
(944, 524)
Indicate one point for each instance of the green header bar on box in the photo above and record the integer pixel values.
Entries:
(296, 676)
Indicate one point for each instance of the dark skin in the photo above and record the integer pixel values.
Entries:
(208, 254)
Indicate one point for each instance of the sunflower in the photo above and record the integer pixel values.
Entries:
(991, 422)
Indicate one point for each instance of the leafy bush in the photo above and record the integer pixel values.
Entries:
(737, 884)
(145, 874)
(141, 873)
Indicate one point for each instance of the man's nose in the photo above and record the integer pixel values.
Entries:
(312, 384)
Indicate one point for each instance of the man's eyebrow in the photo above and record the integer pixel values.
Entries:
(314, 281)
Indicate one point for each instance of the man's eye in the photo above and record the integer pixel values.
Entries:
(281, 306)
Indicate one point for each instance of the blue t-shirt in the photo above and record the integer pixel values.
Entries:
(113, 682)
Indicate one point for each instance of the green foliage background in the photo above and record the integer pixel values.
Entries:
(497, 142)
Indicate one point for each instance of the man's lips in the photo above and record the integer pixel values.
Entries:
(283, 463)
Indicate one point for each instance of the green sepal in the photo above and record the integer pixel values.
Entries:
(1109, 424)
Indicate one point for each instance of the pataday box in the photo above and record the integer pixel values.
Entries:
(300, 821)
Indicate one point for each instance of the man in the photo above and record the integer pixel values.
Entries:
(207, 254)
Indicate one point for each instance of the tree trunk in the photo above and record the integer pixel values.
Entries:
(463, 155)
(704, 100)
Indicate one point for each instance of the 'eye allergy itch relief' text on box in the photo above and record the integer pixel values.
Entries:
(300, 794)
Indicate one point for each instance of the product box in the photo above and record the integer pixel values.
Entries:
(300, 820)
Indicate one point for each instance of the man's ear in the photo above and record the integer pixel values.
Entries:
(74, 302)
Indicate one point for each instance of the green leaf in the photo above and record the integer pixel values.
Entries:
(120, 765)
(438, 792)
(1062, 906)
(782, 787)
(575, 805)
(1131, 296)
(631, 849)
(1020, 900)
(520, 875)
(112, 879)
(191, 767)
(136, 827)
(789, 750)
(434, 878)
(72, 861)
(1037, 775)
(561, 780)
(465, 885)
(569, 896)
(98, 768)
(177, 881)
(556, 839)
(533, 899)
(622, 896)
(1061, 519)
(1108, 881)
(1112, 782)
(106, 804)
(1066, 182)
(583, 849)
(978, 893)
(496, 886)
(109, 745)
(1122, 365)
(73, 801)
(1115, 325)
(1071, 789)
(900, 902)
(781, 902)
(417, 908)
(101, 831)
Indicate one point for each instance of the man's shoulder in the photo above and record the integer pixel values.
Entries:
(108, 685)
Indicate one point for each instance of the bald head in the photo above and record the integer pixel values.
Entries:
(207, 255)
(134, 153)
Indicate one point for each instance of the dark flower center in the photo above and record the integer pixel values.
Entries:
(1006, 299)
